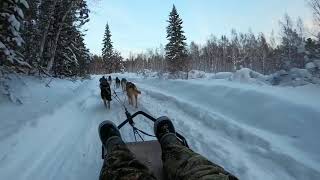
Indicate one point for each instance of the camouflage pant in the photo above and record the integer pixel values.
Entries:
(182, 163)
(121, 164)
(179, 163)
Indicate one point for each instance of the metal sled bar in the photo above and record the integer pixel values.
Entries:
(134, 115)
(130, 121)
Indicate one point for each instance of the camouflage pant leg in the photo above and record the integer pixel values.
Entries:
(182, 163)
(121, 164)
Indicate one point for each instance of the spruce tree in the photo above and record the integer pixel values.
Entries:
(11, 19)
(72, 57)
(107, 50)
(176, 48)
(30, 33)
(47, 10)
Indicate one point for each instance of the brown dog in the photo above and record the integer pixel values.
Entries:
(132, 93)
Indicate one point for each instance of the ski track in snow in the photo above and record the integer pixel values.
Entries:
(63, 143)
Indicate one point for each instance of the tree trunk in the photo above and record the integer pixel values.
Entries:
(54, 49)
(45, 34)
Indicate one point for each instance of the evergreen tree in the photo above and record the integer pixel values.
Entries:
(71, 56)
(47, 10)
(31, 33)
(66, 11)
(11, 20)
(176, 48)
(312, 49)
(107, 50)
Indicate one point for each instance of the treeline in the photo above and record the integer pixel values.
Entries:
(230, 53)
(44, 36)
(153, 59)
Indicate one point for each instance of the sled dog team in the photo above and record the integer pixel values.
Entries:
(129, 87)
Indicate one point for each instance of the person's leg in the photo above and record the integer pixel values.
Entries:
(181, 162)
(119, 162)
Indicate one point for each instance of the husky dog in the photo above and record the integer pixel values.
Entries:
(123, 84)
(105, 92)
(110, 80)
(117, 82)
(132, 93)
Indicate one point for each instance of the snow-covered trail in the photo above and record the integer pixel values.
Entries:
(227, 133)
(61, 144)
(218, 120)
(60, 139)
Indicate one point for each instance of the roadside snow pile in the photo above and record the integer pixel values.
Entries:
(146, 73)
(195, 74)
(295, 77)
(246, 75)
(7, 90)
(20, 95)
(314, 68)
(313, 65)
(222, 75)
(310, 66)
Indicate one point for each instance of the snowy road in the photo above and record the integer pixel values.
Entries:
(254, 132)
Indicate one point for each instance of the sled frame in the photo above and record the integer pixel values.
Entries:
(131, 122)
(149, 153)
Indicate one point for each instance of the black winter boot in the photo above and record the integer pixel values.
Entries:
(109, 135)
(165, 132)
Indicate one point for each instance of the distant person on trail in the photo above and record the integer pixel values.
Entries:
(180, 162)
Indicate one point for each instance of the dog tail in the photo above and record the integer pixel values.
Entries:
(139, 92)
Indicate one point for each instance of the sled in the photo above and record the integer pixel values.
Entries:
(147, 152)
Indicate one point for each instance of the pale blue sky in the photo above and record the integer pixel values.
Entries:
(140, 24)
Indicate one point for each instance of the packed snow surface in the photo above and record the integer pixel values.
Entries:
(254, 130)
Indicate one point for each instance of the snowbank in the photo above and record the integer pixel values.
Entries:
(195, 74)
(246, 75)
(222, 75)
(294, 77)
(256, 132)
(31, 95)
(146, 73)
